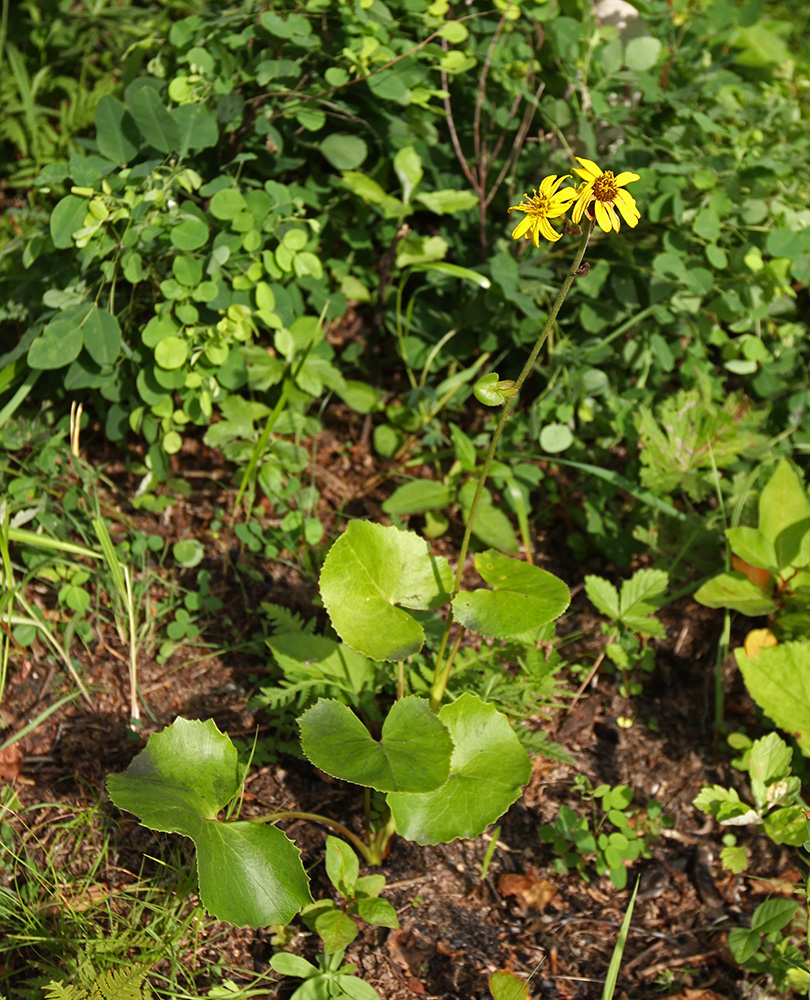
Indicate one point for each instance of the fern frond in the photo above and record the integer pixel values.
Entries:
(283, 620)
(119, 984)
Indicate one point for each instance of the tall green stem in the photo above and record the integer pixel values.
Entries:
(441, 675)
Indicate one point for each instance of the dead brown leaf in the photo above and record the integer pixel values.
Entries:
(531, 892)
(10, 762)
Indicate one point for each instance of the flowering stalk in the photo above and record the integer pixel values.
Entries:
(442, 670)
(599, 194)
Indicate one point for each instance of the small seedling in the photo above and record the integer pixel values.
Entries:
(334, 923)
(577, 839)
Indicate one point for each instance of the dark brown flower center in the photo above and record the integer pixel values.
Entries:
(605, 187)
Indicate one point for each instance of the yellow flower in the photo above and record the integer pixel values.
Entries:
(545, 203)
(603, 193)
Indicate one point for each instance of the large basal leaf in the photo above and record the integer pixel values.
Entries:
(778, 679)
(369, 571)
(734, 590)
(487, 771)
(413, 754)
(523, 597)
(248, 873)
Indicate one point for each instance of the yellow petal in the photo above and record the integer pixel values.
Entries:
(548, 231)
(567, 195)
(522, 227)
(602, 217)
(626, 177)
(583, 198)
(590, 168)
(627, 206)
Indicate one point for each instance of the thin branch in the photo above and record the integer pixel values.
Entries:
(454, 137)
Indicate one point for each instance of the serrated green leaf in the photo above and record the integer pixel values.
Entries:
(770, 759)
(646, 625)
(711, 797)
(643, 593)
(778, 679)
(603, 596)
(787, 825)
(734, 859)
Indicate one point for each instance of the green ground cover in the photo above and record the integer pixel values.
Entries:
(246, 229)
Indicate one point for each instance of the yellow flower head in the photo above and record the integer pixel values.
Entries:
(601, 193)
(545, 203)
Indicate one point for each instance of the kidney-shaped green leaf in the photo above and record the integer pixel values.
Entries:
(369, 571)
(248, 873)
(413, 754)
(523, 597)
(487, 771)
